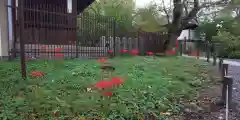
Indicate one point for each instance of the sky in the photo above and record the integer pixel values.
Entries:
(142, 3)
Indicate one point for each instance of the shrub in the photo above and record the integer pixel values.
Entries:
(230, 45)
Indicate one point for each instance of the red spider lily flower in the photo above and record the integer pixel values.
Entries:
(110, 51)
(195, 53)
(176, 44)
(198, 53)
(37, 74)
(171, 52)
(44, 47)
(123, 51)
(134, 52)
(83, 118)
(59, 55)
(104, 84)
(107, 93)
(102, 60)
(55, 114)
(150, 53)
(58, 49)
(117, 81)
(192, 54)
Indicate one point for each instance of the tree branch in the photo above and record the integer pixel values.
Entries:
(166, 12)
(185, 3)
(197, 7)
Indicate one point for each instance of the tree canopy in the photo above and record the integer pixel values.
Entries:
(162, 15)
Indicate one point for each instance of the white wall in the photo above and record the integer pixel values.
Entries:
(4, 32)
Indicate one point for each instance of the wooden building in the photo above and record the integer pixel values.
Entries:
(51, 22)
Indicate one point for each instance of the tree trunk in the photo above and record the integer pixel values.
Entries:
(174, 29)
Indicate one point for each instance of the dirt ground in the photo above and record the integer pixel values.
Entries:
(205, 107)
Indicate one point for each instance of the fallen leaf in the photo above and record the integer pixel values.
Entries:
(165, 113)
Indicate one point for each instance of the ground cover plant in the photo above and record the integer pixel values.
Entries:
(143, 85)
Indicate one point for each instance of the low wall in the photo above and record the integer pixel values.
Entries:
(37, 51)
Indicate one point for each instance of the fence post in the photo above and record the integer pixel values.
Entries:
(224, 70)
(214, 58)
(180, 47)
(208, 51)
(22, 44)
(220, 63)
(198, 49)
(140, 44)
(227, 90)
(129, 43)
(117, 46)
(77, 42)
(184, 45)
(114, 37)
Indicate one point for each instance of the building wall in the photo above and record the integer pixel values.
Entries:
(3, 29)
(47, 22)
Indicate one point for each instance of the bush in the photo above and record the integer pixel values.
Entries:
(230, 45)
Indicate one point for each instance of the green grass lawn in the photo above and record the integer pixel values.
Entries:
(152, 84)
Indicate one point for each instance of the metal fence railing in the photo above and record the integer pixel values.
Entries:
(40, 29)
(46, 31)
(227, 87)
(200, 49)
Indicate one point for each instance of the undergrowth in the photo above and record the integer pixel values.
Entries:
(153, 85)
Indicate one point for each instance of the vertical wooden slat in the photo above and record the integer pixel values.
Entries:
(22, 51)
(14, 27)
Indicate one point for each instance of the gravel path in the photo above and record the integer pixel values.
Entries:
(234, 71)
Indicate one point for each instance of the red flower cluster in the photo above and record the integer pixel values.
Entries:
(196, 53)
(149, 53)
(58, 54)
(117, 81)
(109, 84)
(58, 49)
(102, 60)
(106, 84)
(134, 52)
(44, 47)
(110, 51)
(124, 51)
(171, 52)
(37, 74)
(107, 93)
(176, 44)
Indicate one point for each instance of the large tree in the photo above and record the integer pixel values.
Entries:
(149, 19)
(176, 12)
(182, 11)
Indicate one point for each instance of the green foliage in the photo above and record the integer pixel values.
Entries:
(149, 19)
(127, 17)
(226, 31)
(230, 45)
(91, 27)
(121, 10)
(153, 85)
